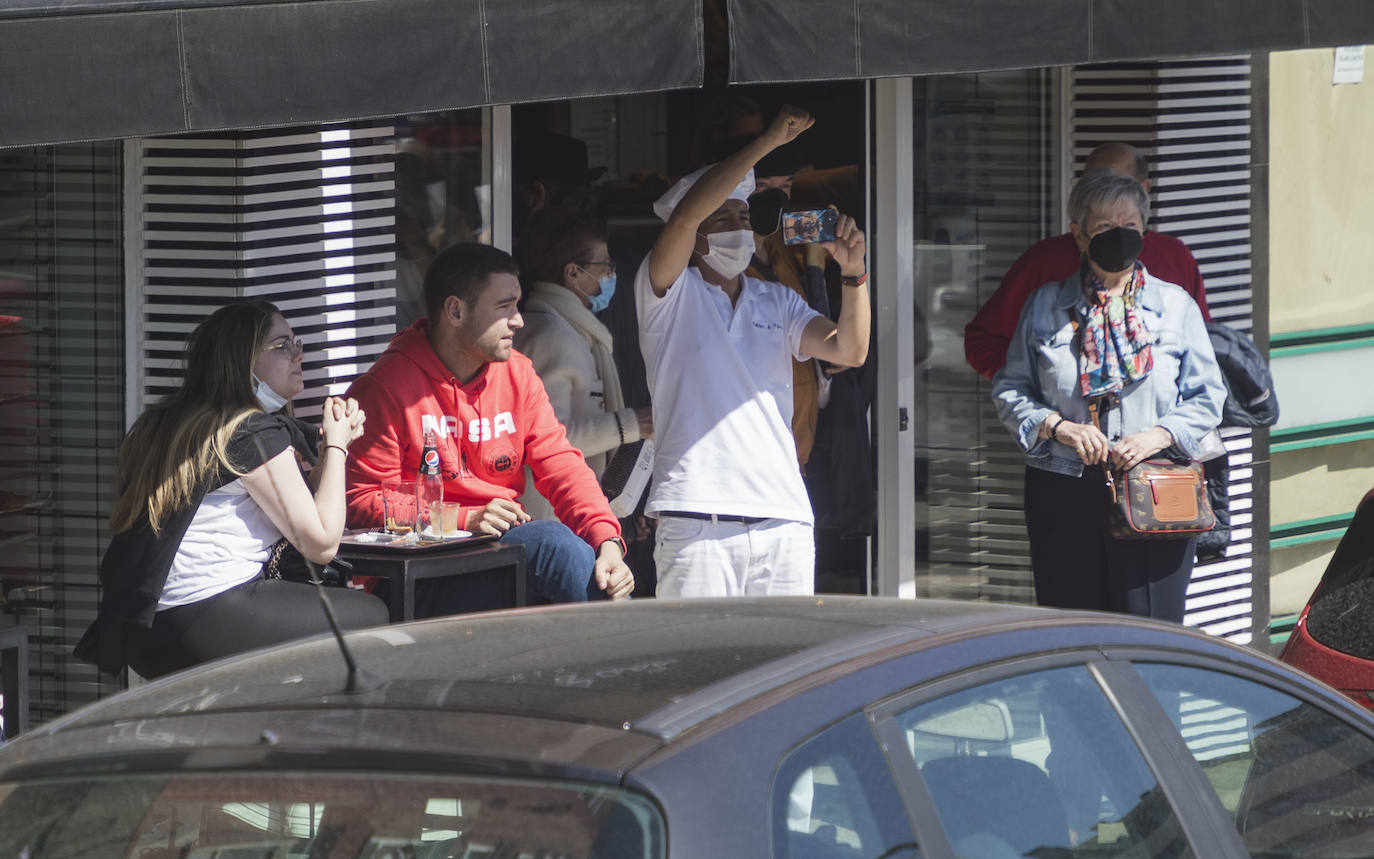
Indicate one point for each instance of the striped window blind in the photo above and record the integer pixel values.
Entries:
(302, 217)
(1192, 119)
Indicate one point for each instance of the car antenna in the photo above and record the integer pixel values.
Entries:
(359, 680)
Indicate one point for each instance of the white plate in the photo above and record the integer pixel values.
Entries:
(427, 533)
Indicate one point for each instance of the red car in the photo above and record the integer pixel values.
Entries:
(1334, 638)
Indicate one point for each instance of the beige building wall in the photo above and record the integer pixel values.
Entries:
(1321, 194)
(1321, 256)
(1310, 484)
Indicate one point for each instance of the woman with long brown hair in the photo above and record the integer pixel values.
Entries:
(208, 481)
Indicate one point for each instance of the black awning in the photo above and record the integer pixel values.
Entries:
(100, 69)
(778, 41)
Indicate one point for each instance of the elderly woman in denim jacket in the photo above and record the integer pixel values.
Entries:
(1137, 345)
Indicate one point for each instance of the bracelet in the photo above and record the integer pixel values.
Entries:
(619, 427)
(339, 448)
(1054, 430)
(858, 280)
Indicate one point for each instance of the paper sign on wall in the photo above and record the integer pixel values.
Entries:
(1349, 65)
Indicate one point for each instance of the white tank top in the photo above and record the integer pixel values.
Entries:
(227, 543)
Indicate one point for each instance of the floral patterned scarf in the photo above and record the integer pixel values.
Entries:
(1115, 350)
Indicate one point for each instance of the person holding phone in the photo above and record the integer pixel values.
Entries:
(734, 517)
(780, 256)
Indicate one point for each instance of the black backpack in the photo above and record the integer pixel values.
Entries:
(1250, 402)
(1250, 397)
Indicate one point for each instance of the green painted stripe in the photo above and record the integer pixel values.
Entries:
(1320, 523)
(1316, 435)
(1321, 335)
(1307, 531)
(1310, 348)
(1304, 539)
(1280, 628)
(1321, 441)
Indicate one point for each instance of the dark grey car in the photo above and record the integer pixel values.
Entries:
(793, 727)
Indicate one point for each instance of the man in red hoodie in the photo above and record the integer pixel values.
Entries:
(455, 372)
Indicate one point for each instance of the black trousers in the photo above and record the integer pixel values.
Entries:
(1077, 564)
(255, 614)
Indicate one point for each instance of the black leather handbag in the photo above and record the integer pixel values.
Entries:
(287, 563)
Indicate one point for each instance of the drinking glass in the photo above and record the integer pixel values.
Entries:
(443, 517)
(401, 506)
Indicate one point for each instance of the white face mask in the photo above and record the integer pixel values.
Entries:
(270, 400)
(730, 252)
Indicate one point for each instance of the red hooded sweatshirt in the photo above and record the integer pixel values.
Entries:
(487, 429)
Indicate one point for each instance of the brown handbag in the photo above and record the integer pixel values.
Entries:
(1157, 499)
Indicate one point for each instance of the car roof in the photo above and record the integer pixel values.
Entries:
(600, 663)
(616, 679)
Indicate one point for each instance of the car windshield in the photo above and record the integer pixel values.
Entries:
(301, 815)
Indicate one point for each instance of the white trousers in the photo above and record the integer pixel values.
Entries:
(706, 558)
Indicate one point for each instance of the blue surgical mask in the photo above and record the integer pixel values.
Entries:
(270, 400)
(602, 300)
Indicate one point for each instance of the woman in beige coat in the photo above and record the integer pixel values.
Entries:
(568, 277)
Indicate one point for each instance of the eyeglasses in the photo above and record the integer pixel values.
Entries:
(289, 348)
(608, 264)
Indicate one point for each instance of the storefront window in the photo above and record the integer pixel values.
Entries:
(61, 402)
(443, 195)
(985, 154)
(615, 156)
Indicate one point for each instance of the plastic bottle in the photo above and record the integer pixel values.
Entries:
(431, 478)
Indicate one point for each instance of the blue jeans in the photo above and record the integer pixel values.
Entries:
(558, 563)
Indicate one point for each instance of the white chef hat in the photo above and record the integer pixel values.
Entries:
(664, 206)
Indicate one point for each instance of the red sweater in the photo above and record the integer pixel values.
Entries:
(487, 429)
(1050, 261)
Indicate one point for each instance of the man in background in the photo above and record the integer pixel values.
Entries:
(799, 268)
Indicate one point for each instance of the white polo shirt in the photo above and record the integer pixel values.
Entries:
(721, 382)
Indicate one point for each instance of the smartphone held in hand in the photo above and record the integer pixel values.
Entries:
(809, 226)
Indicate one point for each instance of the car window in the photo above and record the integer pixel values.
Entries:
(833, 798)
(1039, 765)
(284, 815)
(1298, 780)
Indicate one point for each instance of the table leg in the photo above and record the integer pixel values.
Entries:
(519, 564)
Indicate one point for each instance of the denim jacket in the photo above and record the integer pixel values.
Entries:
(1183, 393)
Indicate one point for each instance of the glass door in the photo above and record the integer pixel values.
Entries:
(985, 176)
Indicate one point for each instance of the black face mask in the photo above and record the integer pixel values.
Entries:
(765, 210)
(1116, 249)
